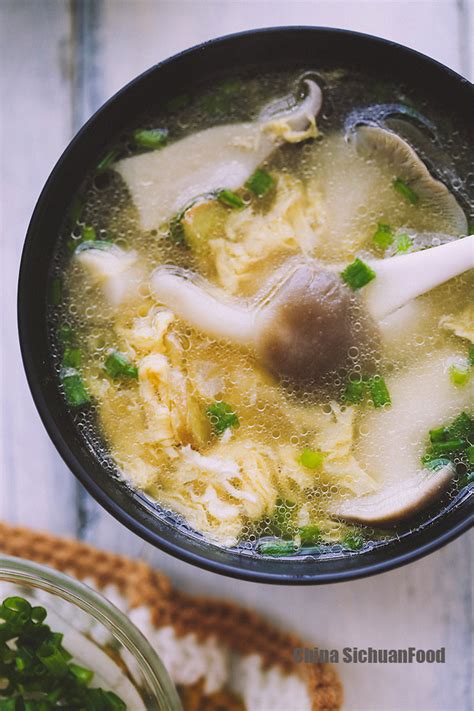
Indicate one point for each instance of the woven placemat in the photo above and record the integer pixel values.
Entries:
(204, 643)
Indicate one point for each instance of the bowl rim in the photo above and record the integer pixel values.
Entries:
(21, 571)
(237, 568)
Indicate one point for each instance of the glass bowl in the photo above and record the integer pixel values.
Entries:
(96, 633)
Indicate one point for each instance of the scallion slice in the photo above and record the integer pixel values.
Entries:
(460, 374)
(107, 161)
(383, 236)
(358, 274)
(310, 535)
(65, 333)
(311, 458)
(260, 182)
(378, 391)
(403, 243)
(222, 416)
(353, 541)
(405, 191)
(117, 365)
(354, 391)
(72, 358)
(230, 199)
(277, 547)
(74, 388)
(151, 138)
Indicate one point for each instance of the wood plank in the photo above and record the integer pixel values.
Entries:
(35, 127)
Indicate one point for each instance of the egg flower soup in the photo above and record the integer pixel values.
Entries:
(260, 312)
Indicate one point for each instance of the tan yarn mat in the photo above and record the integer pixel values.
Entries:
(240, 630)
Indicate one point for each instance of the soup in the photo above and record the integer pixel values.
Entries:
(245, 322)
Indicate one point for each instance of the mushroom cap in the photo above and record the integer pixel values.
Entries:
(398, 501)
(379, 143)
(308, 327)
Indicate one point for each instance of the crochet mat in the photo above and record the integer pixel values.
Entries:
(221, 657)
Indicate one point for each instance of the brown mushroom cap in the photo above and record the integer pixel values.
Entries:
(310, 325)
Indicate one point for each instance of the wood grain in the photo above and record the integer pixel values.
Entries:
(60, 60)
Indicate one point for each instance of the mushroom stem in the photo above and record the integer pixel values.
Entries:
(303, 113)
(211, 314)
(403, 278)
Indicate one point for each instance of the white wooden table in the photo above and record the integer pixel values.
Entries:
(59, 61)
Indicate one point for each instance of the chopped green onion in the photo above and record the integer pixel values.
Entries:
(452, 443)
(88, 234)
(354, 391)
(72, 358)
(448, 447)
(353, 541)
(311, 459)
(84, 675)
(310, 535)
(459, 374)
(65, 333)
(403, 243)
(438, 435)
(230, 199)
(107, 161)
(118, 366)
(379, 391)
(260, 182)
(405, 191)
(283, 523)
(461, 427)
(277, 547)
(222, 416)
(383, 236)
(36, 672)
(176, 230)
(74, 388)
(150, 138)
(55, 291)
(358, 274)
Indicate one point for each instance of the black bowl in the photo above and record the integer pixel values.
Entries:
(269, 49)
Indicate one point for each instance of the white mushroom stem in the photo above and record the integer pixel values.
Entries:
(298, 117)
(403, 278)
(213, 315)
(397, 501)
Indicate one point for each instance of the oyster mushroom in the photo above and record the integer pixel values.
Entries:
(381, 144)
(112, 268)
(397, 501)
(395, 439)
(163, 181)
(304, 328)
